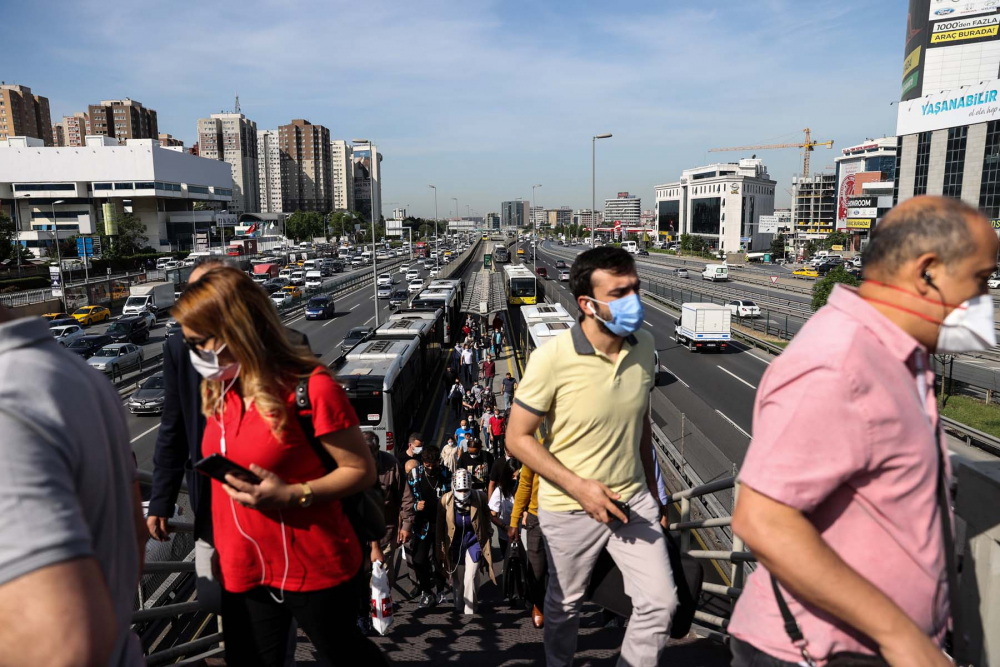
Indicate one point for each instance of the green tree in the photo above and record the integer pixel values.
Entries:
(809, 250)
(131, 237)
(686, 240)
(822, 289)
(8, 237)
(835, 238)
(778, 247)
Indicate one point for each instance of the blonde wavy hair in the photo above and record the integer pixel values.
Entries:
(227, 305)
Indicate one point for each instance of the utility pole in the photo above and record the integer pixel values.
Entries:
(593, 183)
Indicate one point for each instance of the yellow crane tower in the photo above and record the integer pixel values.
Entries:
(808, 145)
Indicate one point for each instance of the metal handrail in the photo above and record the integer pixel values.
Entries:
(972, 436)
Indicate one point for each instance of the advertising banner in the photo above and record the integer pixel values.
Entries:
(54, 275)
(862, 213)
(110, 214)
(915, 49)
(911, 61)
(950, 9)
(768, 224)
(862, 202)
(952, 108)
(964, 30)
(846, 188)
(859, 223)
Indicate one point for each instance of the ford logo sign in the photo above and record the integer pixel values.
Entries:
(944, 12)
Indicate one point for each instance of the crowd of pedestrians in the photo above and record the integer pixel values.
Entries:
(278, 540)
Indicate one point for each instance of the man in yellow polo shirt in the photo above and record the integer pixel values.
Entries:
(591, 385)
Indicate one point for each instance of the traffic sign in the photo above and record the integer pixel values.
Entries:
(774, 280)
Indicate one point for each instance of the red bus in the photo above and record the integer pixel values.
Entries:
(421, 250)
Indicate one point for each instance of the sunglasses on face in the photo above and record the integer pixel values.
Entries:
(196, 344)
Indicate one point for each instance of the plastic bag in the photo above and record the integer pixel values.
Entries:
(381, 598)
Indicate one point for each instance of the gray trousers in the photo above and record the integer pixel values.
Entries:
(573, 542)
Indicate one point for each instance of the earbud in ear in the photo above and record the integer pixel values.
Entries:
(928, 279)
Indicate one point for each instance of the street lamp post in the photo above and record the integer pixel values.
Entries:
(593, 183)
(55, 227)
(534, 223)
(437, 236)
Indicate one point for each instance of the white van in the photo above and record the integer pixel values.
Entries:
(715, 272)
(630, 246)
(309, 265)
(314, 280)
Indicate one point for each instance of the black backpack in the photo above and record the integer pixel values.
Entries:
(364, 508)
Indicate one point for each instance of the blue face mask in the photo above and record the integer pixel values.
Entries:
(627, 315)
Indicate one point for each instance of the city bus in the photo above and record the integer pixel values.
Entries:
(383, 380)
(500, 253)
(521, 285)
(540, 323)
(426, 330)
(449, 283)
(447, 301)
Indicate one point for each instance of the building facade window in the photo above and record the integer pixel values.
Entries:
(40, 187)
(899, 159)
(989, 189)
(668, 216)
(923, 161)
(706, 216)
(954, 161)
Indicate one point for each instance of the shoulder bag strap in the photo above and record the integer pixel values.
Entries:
(303, 408)
(944, 506)
(791, 626)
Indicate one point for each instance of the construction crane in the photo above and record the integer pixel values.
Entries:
(808, 145)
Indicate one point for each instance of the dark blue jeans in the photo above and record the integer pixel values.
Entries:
(747, 655)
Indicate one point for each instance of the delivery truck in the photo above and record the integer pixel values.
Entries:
(242, 247)
(264, 272)
(703, 327)
(156, 298)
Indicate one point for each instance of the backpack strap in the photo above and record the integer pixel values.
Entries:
(303, 410)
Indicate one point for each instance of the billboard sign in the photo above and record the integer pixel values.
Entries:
(845, 188)
(768, 224)
(915, 49)
(964, 30)
(56, 278)
(866, 201)
(859, 223)
(951, 9)
(951, 108)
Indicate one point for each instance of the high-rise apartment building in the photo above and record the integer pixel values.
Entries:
(365, 169)
(624, 208)
(306, 178)
(168, 140)
(586, 219)
(341, 153)
(399, 213)
(814, 204)
(232, 137)
(559, 217)
(492, 221)
(71, 130)
(123, 119)
(269, 168)
(514, 213)
(23, 114)
(537, 216)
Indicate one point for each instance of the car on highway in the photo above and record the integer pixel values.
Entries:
(87, 345)
(354, 336)
(133, 329)
(91, 315)
(62, 322)
(744, 308)
(320, 308)
(48, 317)
(67, 333)
(384, 279)
(292, 291)
(148, 398)
(412, 274)
(806, 272)
(434, 272)
(414, 285)
(564, 276)
(383, 291)
(281, 298)
(116, 358)
(993, 283)
(398, 298)
(560, 264)
(298, 278)
(357, 260)
(542, 272)
(643, 253)
(271, 286)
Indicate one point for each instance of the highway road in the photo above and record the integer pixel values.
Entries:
(354, 309)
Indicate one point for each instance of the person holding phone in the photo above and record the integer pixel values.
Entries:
(285, 546)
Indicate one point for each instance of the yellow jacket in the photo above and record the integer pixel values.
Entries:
(526, 497)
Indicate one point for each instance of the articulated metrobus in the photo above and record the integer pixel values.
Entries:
(521, 285)
(500, 253)
(540, 324)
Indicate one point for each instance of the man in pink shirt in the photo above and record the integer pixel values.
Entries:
(839, 498)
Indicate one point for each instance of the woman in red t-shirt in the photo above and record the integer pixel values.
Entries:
(285, 546)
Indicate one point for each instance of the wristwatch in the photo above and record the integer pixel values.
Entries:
(307, 495)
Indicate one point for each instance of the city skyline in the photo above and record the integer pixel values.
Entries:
(487, 101)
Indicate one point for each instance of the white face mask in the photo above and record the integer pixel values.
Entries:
(417, 450)
(968, 328)
(206, 362)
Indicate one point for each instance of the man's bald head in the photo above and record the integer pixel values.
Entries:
(946, 227)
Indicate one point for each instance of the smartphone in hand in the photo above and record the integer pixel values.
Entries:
(625, 508)
(218, 466)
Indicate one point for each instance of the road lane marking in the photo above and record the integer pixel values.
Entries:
(297, 319)
(355, 306)
(369, 319)
(676, 377)
(735, 376)
(732, 423)
(144, 434)
(759, 359)
(647, 322)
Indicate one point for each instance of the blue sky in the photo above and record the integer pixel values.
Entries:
(485, 99)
